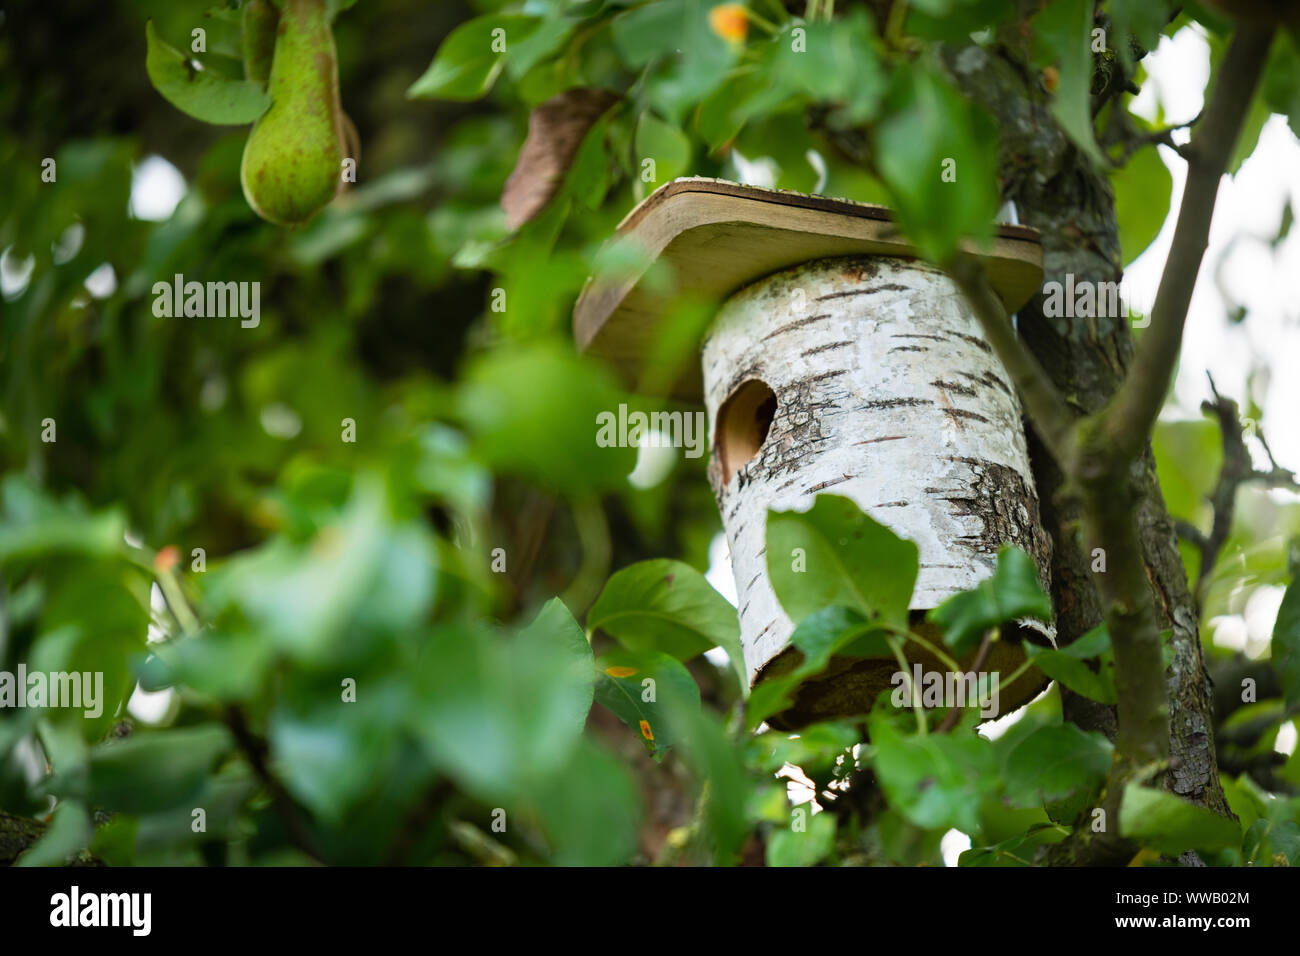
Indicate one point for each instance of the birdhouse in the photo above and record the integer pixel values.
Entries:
(838, 362)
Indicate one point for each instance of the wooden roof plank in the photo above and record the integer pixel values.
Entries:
(719, 236)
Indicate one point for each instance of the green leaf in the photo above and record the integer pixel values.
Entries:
(555, 628)
(225, 666)
(1173, 825)
(1057, 762)
(1243, 799)
(663, 143)
(591, 811)
(472, 56)
(1067, 666)
(836, 62)
(818, 637)
(588, 177)
(360, 571)
(724, 113)
(1143, 188)
(31, 524)
(1013, 851)
(1062, 34)
(1285, 645)
(956, 19)
(156, 836)
(1189, 455)
(650, 31)
(1012, 592)
(936, 780)
(1280, 85)
(330, 752)
(937, 153)
(714, 762)
(1142, 20)
(95, 621)
(1249, 137)
(850, 559)
(535, 412)
(687, 59)
(201, 93)
(447, 471)
(1266, 838)
(174, 762)
(789, 847)
(536, 45)
(501, 715)
(643, 688)
(114, 842)
(1075, 674)
(664, 605)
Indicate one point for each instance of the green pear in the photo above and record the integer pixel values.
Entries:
(259, 22)
(292, 161)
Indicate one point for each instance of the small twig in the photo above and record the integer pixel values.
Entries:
(1190, 533)
(253, 747)
(174, 598)
(1131, 139)
(415, 821)
(1271, 460)
(255, 750)
(597, 550)
(528, 538)
(1235, 471)
(1277, 478)
(918, 711)
(950, 718)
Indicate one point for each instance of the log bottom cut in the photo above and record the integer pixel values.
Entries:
(867, 378)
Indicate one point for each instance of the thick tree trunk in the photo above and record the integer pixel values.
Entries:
(1057, 192)
(16, 835)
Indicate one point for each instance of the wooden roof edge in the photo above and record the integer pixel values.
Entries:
(788, 197)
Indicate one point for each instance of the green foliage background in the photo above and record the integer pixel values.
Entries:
(332, 565)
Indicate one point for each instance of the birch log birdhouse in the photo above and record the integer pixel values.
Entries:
(837, 362)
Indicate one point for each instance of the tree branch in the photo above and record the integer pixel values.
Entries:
(1111, 444)
(1048, 413)
(255, 751)
(1236, 470)
(1131, 415)
(1123, 132)
(1140, 691)
(16, 835)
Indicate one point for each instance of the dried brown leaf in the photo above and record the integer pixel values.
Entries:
(556, 129)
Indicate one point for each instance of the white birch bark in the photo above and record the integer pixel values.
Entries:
(888, 394)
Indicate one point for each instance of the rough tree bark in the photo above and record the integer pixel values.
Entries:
(1058, 192)
(1094, 399)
